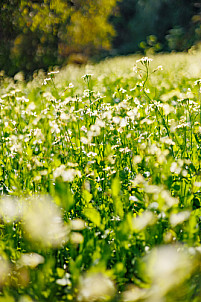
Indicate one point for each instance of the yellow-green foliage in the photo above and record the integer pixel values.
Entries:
(61, 28)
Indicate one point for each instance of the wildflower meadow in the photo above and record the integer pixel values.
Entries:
(100, 182)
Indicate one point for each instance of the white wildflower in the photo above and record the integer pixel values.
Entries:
(32, 260)
(144, 60)
(179, 218)
(43, 222)
(95, 287)
(140, 222)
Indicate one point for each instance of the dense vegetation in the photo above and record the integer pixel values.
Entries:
(100, 182)
(43, 33)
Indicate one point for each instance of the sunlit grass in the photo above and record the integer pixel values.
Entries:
(100, 182)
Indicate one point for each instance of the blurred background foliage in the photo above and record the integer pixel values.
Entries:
(161, 25)
(42, 33)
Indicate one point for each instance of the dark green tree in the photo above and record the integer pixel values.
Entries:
(9, 14)
(175, 24)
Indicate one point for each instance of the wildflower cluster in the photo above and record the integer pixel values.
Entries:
(100, 185)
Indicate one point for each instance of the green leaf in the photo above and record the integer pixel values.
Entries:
(93, 215)
(87, 196)
(29, 152)
(116, 187)
(64, 195)
(118, 206)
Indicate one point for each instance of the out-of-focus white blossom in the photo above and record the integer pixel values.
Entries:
(10, 209)
(32, 260)
(66, 174)
(43, 223)
(142, 221)
(4, 270)
(95, 287)
(167, 266)
(179, 218)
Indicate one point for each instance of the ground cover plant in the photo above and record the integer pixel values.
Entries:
(100, 182)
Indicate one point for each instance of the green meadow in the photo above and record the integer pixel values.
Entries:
(100, 182)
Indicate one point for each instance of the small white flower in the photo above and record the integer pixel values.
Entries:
(160, 67)
(197, 82)
(46, 80)
(135, 69)
(53, 72)
(167, 140)
(87, 76)
(144, 60)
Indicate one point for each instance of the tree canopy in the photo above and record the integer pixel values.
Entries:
(42, 33)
